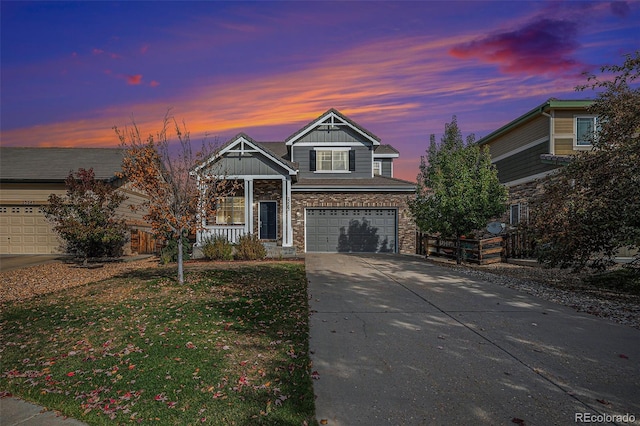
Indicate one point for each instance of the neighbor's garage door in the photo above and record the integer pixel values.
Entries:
(351, 230)
(24, 230)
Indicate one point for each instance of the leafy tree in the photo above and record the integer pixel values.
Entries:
(589, 209)
(176, 202)
(458, 187)
(86, 218)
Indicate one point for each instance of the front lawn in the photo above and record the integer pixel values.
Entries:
(228, 347)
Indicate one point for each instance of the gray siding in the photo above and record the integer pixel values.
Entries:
(364, 164)
(386, 166)
(249, 164)
(324, 135)
(523, 164)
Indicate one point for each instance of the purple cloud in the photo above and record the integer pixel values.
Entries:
(620, 8)
(544, 46)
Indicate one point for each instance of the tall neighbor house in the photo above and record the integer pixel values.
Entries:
(329, 187)
(536, 144)
(29, 175)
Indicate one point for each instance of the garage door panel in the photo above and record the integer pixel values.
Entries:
(351, 230)
(25, 230)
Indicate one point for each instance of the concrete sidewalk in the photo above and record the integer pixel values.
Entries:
(396, 340)
(14, 411)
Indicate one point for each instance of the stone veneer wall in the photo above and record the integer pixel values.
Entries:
(522, 194)
(406, 225)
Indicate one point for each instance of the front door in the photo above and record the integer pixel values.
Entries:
(268, 220)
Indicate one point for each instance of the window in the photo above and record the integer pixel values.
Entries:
(230, 211)
(585, 127)
(519, 213)
(332, 160)
(377, 168)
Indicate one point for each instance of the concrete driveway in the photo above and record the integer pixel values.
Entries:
(396, 340)
(16, 261)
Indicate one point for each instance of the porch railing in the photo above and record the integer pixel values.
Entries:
(231, 232)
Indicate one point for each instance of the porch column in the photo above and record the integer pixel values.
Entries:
(287, 229)
(248, 205)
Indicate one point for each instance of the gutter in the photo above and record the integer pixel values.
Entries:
(324, 188)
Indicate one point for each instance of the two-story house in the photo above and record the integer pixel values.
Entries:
(329, 187)
(535, 144)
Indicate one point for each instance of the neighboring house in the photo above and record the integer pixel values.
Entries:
(535, 144)
(329, 187)
(29, 175)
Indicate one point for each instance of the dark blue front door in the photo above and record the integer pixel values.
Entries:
(268, 220)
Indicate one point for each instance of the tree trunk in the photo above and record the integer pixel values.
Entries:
(180, 263)
(458, 250)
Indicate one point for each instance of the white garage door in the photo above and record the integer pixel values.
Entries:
(24, 230)
(351, 230)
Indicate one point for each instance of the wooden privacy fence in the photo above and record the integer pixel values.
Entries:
(519, 244)
(143, 242)
(514, 245)
(482, 252)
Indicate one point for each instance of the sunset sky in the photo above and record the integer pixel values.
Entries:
(71, 71)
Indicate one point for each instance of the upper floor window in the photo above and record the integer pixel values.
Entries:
(332, 160)
(377, 168)
(585, 129)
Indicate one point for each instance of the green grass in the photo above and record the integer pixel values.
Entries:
(230, 347)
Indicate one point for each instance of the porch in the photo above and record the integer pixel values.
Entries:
(261, 206)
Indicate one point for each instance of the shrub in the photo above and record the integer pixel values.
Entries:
(86, 218)
(169, 253)
(250, 248)
(217, 248)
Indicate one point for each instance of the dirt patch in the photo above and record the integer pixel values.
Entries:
(25, 283)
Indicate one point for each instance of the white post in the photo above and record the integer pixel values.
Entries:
(248, 206)
(287, 229)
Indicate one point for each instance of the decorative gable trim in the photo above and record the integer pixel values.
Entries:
(334, 119)
(243, 144)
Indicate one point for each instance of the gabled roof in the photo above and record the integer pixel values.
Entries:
(333, 117)
(32, 164)
(541, 109)
(386, 151)
(244, 144)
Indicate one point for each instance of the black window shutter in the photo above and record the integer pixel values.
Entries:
(352, 160)
(312, 160)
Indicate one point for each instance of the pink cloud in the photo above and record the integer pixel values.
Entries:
(154, 83)
(99, 52)
(134, 80)
(543, 46)
(144, 49)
